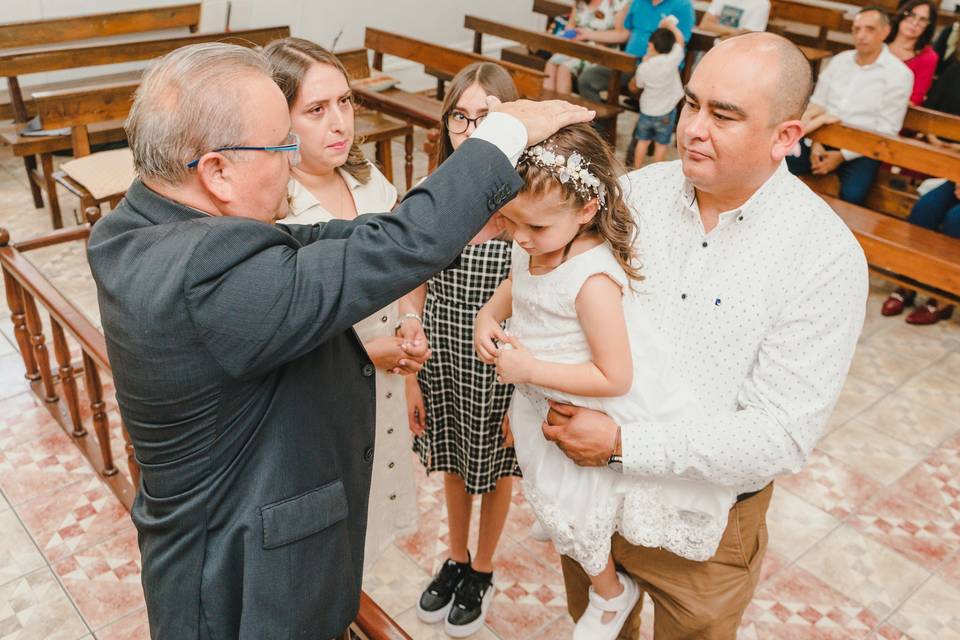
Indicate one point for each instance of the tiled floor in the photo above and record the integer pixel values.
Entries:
(864, 542)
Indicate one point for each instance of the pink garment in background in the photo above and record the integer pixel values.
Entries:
(923, 65)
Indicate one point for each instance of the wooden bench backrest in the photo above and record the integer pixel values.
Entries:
(17, 64)
(79, 108)
(898, 247)
(551, 9)
(900, 152)
(823, 17)
(536, 40)
(58, 30)
(940, 124)
(356, 63)
(529, 82)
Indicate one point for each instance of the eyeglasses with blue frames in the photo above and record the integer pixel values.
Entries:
(290, 145)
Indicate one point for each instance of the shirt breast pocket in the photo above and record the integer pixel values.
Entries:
(295, 518)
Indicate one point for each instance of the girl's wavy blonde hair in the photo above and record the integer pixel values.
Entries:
(613, 221)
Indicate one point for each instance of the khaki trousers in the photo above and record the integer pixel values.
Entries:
(702, 600)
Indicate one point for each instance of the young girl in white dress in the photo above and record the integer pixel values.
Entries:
(578, 335)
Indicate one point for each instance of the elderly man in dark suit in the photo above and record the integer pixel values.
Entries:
(248, 397)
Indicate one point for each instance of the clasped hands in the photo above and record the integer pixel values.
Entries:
(403, 353)
(822, 161)
(585, 436)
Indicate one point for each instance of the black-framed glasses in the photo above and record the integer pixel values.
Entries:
(458, 122)
(910, 15)
(291, 145)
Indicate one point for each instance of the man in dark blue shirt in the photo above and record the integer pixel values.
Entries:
(642, 20)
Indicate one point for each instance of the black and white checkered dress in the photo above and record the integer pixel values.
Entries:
(465, 404)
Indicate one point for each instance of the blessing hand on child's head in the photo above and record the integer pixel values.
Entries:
(515, 363)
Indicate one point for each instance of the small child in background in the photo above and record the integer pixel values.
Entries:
(659, 77)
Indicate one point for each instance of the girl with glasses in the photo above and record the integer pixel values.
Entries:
(334, 180)
(456, 407)
(910, 33)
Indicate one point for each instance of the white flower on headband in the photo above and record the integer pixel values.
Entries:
(566, 169)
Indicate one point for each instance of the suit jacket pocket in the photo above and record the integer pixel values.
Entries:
(296, 518)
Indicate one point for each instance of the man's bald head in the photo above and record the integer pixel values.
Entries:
(783, 72)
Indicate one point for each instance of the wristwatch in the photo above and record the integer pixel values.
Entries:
(615, 461)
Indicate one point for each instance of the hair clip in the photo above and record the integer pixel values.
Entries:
(566, 169)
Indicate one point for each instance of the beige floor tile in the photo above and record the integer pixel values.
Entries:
(420, 631)
(794, 525)
(932, 612)
(908, 421)
(395, 582)
(863, 570)
(915, 342)
(871, 452)
(35, 607)
(883, 367)
(856, 396)
(936, 388)
(18, 554)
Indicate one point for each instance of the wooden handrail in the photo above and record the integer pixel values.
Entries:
(25, 286)
(75, 107)
(938, 123)
(551, 9)
(41, 32)
(901, 152)
(17, 64)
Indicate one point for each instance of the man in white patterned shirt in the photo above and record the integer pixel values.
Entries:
(759, 290)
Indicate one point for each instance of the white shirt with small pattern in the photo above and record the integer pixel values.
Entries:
(761, 317)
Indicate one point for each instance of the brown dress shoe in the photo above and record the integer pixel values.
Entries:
(894, 304)
(930, 313)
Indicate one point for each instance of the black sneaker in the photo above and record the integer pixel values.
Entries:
(471, 600)
(436, 599)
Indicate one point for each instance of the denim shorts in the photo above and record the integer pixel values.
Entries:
(656, 128)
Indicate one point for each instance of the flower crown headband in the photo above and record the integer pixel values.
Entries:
(566, 169)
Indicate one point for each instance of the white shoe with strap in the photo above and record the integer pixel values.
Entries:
(591, 626)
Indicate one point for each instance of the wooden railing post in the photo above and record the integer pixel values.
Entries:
(67, 381)
(98, 409)
(39, 343)
(18, 318)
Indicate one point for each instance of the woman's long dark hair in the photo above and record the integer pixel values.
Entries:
(905, 9)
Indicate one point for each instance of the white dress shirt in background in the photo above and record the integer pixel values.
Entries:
(873, 96)
(761, 318)
(659, 77)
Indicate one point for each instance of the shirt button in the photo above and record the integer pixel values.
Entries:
(704, 245)
(740, 218)
(390, 430)
(383, 319)
(368, 454)
(389, 394)
(368, 370)
(393, 496)
(683, 296)
(391, 465)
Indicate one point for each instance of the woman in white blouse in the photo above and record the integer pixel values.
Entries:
(334, 180)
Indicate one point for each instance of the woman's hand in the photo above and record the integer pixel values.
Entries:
(413, 339)
(416, 412)
(388, 354)
(584, 35)
(515, 363)
(486, 333)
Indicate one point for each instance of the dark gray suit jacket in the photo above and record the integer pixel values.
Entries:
(249, 399)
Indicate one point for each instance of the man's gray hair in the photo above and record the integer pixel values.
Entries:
(189, 104)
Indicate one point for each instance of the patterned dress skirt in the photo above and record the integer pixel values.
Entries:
(465, 405)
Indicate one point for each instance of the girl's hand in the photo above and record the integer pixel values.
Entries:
(416, 412)
(486, 333)
(507, 432)
(387, 354)
(515, 363)
(583, 34)
(413, 339)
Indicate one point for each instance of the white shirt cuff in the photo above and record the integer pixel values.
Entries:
(643, 450)
(850, 155)
(505, 133)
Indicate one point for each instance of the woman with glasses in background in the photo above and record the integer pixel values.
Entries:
(910, 34)
(334, 180)
(456, 406)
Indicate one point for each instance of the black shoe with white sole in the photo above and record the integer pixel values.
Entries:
(437, 598)
(471, 600)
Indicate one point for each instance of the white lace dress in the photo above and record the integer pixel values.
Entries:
(582, 507)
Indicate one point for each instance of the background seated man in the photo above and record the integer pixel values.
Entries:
(867, 87)
(736, 16)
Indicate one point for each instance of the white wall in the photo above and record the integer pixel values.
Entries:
(438, 21)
